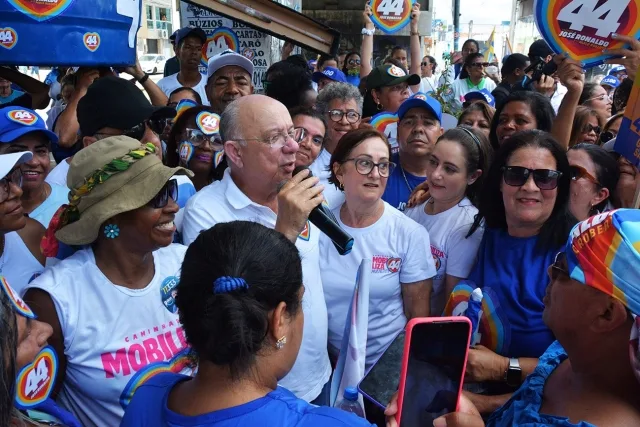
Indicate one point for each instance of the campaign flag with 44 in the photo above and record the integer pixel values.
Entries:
(582, 29)
(390, 16)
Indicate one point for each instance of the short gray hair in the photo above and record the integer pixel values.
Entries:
(338, 90)
(230, 122)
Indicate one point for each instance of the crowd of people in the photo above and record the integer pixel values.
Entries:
(169, 263)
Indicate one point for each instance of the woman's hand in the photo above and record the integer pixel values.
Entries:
(366, 17)
(570, 73)
(466, 416)
(485, 365)
(419, 195)
(630, 57)
(415, 17)
(546, 86)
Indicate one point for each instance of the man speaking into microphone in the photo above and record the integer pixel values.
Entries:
(260, 146)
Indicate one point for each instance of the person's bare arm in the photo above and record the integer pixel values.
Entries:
(38, 90)
(571, 75)
(366, 50)
(414, 44)
(487, 404)
(416, 298)
(67, 126)
(157, 97)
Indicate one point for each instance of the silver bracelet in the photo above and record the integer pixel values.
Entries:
(367, 32)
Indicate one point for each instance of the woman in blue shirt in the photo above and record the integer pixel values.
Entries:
(524, 209)
(239, 300)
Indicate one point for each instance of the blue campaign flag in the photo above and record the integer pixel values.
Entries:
(69, 32)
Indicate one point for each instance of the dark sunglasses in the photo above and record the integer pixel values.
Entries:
(156, 125)
(607, 136)
(479, 64)
(589, 127)
(353, 62)
(556, 267)
(170, 190)
(425, 64)
(517, 176)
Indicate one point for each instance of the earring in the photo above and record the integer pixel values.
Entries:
(111, 231)
(379, 107)
(281, 342)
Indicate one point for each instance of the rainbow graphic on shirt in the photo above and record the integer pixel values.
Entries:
(41, 10)
(217, 158)
(18, 303)
(494, 330)
(179, 363)
(306, 232)
(382, 120)
(35, 381)
(223, 38)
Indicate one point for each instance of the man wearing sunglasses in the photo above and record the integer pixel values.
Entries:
(113, 106)
(418, 130)
(260, 144)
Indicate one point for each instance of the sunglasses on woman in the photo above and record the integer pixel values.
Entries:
(588, 128)
(517, 176)
(14, 177)
(479, 64)
(607, 136)
(578, 172)
(353, 62)
(170, 190)
(197, 138)
(557, 268)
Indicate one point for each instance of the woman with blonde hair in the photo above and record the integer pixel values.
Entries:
(587, 126)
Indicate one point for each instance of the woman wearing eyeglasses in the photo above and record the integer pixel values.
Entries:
(395, 247)
(587, 125)
(524, 209)
(594, 177)
(351, 68)
(341, 105)
(111, 304)
(472, 78)
(595, 96)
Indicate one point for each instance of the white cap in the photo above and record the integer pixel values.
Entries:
(9, 161)
(228, 57)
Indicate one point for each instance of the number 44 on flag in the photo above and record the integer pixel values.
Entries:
(391, 16)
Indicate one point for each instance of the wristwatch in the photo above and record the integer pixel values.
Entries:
(513, 375)
(144, 78)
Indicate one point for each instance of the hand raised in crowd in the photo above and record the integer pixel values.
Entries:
(85, 77)
(546, 86)
(134, 70)
(570, 73)
(485, 365)
(630, 56)
(366, 16)
(415, 16)
(296, 199)
(467, 415)
(419, 195)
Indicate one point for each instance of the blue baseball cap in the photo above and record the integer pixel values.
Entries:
(18, 121)
(329, 73)
(421, 100)
(617, 69)
(611, 81)
(482, 95)
(182, 33)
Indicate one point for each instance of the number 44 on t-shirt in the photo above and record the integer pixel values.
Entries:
(587, 13)
(388, 7)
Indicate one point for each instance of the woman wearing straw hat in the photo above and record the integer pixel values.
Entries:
(111, 304)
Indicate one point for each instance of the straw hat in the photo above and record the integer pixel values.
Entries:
(114, 175)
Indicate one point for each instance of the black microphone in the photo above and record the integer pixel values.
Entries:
(322, 217)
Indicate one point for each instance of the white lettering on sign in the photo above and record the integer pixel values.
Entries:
(6, 37)
(23, 115)
(587, 13)
(388, 7)
(36, 377)
(92, 40)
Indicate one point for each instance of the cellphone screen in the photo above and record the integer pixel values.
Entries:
(381, 382)
(434, 371)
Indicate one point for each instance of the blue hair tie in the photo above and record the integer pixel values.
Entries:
(226, 284)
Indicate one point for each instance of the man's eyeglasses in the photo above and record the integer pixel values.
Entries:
(557, 268)
(517, 176)
(157, 126)
(317, 140)
(364, 166)
(578, 172)
(280, 140)
(170, 190)
(14, 177)
(588, 128)
(197, 138)
(352, 116)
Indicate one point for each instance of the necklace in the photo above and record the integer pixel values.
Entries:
(406, 181)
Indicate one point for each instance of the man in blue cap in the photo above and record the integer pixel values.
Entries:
(619, 72)
(610, 83)
(418, 130)
(189, 42)
(479, 96)
(328, 75)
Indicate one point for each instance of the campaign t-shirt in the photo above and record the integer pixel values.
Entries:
(461, 87)
(320, 168)
(15, 94)
(58, 197)
(114, 337)
(398, 248)
(58, 175)
(278, 408)
(223, 201)
(452, 252)
(170, 83)
(400, 185)
(512, 272)
(17, 263)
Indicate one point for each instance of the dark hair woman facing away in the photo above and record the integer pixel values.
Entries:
(239, 301)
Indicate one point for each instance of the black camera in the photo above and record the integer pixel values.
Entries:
(538, 68)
